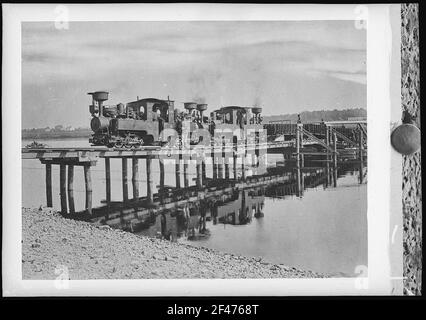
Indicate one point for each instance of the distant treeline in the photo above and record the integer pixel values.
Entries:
(55, 134)
(326, 115)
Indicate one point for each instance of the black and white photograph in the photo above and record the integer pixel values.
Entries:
(207, 147)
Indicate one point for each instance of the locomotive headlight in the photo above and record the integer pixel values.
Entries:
(99, 123)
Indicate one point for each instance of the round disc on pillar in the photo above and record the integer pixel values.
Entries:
(405, 139)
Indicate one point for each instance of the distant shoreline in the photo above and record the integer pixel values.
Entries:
(55, 137)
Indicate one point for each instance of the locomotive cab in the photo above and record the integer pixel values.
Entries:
(144, 120)
(234, 118)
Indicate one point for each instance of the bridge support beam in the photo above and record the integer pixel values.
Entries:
(299, 178)
(214, 167)
(49, 202)
(335, 177)
(203, 169)
(226, 160)
(135, 177)
(161, 165)
(149, 193)
(199, 175)
(108, 180)
(300, 126)
(62, 188)
(177, 172)
(234, 165)
(71, 188)
(88, 184)
(298, 146)
(220, 167)
(185, 174)
(124, 179)
(335, 149)
(243, 160)
(327, 142)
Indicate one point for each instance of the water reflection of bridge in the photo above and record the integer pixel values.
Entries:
(176, 213)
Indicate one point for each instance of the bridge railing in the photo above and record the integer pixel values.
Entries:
(279, 129)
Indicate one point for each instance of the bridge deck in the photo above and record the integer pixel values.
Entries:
(316, 132)
(90, 154)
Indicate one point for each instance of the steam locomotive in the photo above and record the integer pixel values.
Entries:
(141, 122)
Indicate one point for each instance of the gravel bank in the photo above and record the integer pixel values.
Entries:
(89, 252)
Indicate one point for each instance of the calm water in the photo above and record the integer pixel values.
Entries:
(321, 227)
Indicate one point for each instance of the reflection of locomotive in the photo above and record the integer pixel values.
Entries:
(140, 122)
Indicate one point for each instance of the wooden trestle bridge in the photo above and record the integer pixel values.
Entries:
(328, 143)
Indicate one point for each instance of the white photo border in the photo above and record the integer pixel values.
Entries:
(383, 107)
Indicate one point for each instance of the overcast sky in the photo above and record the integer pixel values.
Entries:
(285, 67)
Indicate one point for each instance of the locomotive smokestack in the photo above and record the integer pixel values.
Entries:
(190, 106)
(99, 97)
(201, 107)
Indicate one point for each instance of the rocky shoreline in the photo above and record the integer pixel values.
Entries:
(52, 244)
